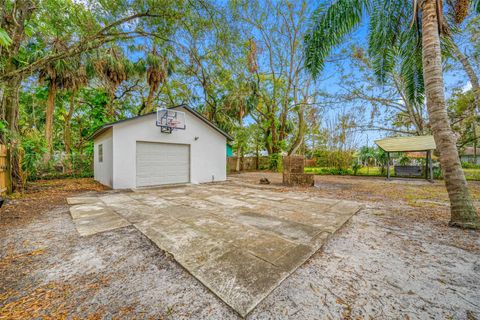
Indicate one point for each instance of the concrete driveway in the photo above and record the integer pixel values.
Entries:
(241, 241)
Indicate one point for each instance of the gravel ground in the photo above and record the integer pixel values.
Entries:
(391, 260)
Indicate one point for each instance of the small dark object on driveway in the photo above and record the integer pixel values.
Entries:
(264, 181)
(1, 201)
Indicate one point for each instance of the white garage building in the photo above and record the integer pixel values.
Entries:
(142, 152)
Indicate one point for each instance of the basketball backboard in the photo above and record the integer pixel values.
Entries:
(169, 120)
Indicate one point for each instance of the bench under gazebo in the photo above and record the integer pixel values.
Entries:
(410, 144)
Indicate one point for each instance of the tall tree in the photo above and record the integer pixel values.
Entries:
(386, 106)
(278, 69)
(389, 26)
(58, 75)
(78, 79)
(157, 69)
(113, 68)
(28, 29)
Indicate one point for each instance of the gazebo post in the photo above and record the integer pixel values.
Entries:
(388, 165)
(426, 164)
(430, 165)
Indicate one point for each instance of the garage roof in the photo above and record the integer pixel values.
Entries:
(403, 144)
(107, 126)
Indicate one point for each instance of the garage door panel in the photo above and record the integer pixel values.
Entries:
(162, 163)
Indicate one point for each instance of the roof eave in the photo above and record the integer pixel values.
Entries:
(201, 117)
(192, 111)
(99, 131)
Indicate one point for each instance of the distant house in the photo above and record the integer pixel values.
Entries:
(467, 155)
(229, 150)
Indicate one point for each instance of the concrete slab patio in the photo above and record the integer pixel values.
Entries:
(240, 241)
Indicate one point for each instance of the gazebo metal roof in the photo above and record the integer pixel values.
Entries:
(405, 144)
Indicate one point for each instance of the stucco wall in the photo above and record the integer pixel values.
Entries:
(103, 171)
(207, 154)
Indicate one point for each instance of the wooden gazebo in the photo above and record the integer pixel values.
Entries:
(410, 144)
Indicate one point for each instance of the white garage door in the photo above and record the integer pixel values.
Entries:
(162, 163)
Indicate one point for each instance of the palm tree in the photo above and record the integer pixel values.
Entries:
(157, 70)
(392, 38)
(112, 67)
(78, 79)
(239, 103)
(58, 75)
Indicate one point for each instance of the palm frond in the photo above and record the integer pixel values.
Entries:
(328, 30)
(411, 67)
(476, 6)
(386, 21)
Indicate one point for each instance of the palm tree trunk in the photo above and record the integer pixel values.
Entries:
(469, 70)
(237, 164)
(472, 76)
(52, 92)
(9, 112)
(151, 94)
(239, 147)
(67, 134)
(463, 213)
(110, 103)
(9, 103)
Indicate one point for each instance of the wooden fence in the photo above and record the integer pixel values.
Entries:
(3, 169)
(247, 163)
(252, 163)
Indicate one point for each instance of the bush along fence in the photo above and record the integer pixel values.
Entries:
(260, 163)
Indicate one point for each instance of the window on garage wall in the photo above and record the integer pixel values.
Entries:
(100, 153)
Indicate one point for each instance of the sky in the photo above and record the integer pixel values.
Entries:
(332, 78)
(453, 79)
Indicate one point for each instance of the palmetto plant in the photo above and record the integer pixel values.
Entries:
(409, 37)
(157, 71)
(112, 67)
(67, 74)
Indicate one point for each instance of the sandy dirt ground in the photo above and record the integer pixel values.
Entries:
(397, 258)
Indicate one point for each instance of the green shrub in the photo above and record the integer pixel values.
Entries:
(336, 171)
(334, 158)
(469, 165)
(56, 175)
(275, 163)
(33, 147)
(356, 165)
(329, 171)
(404, 160)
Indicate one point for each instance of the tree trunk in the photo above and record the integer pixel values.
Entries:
(148, 106)
(257, 157)
(472, 76)
(469, 70)
(237, 165)
(300, 133)
(67, 135)
(52, 92)
(110, 103)
(463, 213)
(9, 108)
(9, 103)
(239, 147)
(474, 142)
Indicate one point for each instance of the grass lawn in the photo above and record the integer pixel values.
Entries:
(470, 174)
